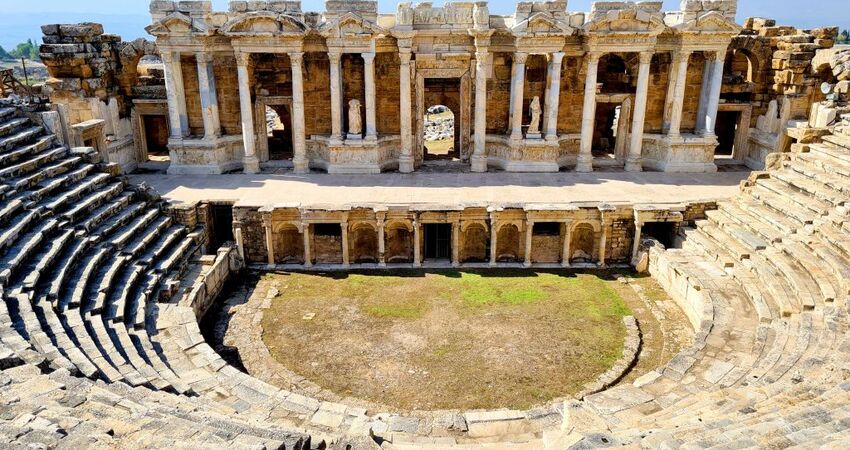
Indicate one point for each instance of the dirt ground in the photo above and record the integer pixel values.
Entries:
(453, 340)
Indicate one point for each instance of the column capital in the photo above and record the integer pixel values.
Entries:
(405, 55)
(646, 57)
(242, 58)
(168, 56)
(557, 57)
(482, 53)
(520, 57)
(680, 56)
(368, 58)
(594, 55)
(296, 57)
(267, 220)
(335, 57)
(203, 57)
(718, 55)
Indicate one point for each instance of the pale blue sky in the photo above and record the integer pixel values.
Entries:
(128, 17)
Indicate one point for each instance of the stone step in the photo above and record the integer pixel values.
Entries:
(119, 332)
(69, 172)
(756, 218)
(39, 145)
(6, 112)
(105, 281)
(782, 206)
(23, 168)
(63, 342)
(816, 182)
(9, 209)
(793, 194)
(69, 259)
(26, 245)
(824, 163)
(127, 233)
(804, 289)
(724, 242)
(808, 261)
(780, 293)
(841, 144)
(158, 364)
(839, 265)
(20, 137)
(109, 227)
(75, 327)
(46, 259)
(12, 125)
(115, 310)
(156, 252)
(835, 155)
(75, 292)
(800, 344)
(84, 187)
(93, 201)
(112, 349)
(146, 237)
(18, 226)
(102, 213)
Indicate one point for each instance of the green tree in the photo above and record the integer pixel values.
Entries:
(27, 50)
(844, 37)
(4, 54)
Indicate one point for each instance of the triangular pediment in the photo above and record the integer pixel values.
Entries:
(711, 22)
(264, 23)
(176, 24)
(541, 24)
(351, 25)
(629, 20)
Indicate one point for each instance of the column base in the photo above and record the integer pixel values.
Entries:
(301, 166)
(478, 163)
(251, 165)
(405, 164)
(526, 264)
(551, 138)
(516, 136)
(634, 165)
(584, 164)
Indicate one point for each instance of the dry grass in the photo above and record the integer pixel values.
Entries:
(448, 339)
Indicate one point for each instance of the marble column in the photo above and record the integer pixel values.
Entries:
(346, 259)
(308, 253)
(299, 138)
(584, 163)
(529, 234)
(517, 92)
(565, 250)
(603, 243)
(633, 161)
(267, 225)
(703, 94)
(250, 161)
(336, 97)
(382, 260)
(209, 98)
(417, 248)
(176, 95)
(494, 234)
(369, 81)
(553, 95)
(715, 83)
(680, 69)
(405, 160)
(455, 244)
(636, 243)
(479, 152)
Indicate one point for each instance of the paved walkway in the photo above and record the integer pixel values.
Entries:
(458, 189)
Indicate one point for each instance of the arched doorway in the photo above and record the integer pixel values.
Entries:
(288, 245)
(399, 244)
(582, 243)
(475, 244)
(441, 138)
(508, 244)
(364, 244)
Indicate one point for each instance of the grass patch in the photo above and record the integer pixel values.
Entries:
(394, 311)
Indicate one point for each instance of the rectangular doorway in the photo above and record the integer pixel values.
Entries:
(726, 130)
(441, 137)
(222, 225)
(438, 241)
(156, 136)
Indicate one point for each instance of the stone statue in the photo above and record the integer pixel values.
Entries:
(355, 124)
(535, 110)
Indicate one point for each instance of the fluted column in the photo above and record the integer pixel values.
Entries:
(517, 92)
(250, 161)
(553, 95)
(176, 94)
(209, 98)
(299, 138)
(369, 80)
(479, 153)
(336, 97)
(584, 162)
(633, 162)
(405, 160)
(715, 83)
(680, 69)
(703, 94)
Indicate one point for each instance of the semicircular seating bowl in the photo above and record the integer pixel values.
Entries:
(96, 351)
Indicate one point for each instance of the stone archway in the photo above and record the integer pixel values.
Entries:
(399, 243)
(508, 244)
(363, 247)
(582, 243)
(475, 243)
(288, 245)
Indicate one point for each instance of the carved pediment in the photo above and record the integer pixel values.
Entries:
(264, 23)
(351, 25)
(541, 24)
(630, 20)
(711, 22)
(176, 24)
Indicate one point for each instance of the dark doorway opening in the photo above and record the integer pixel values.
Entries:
(605, 130)
(438, 241)
(279, 132)
(222, 225)
(546, 229)
(726, 128)
(663, 232)
(156, 135)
